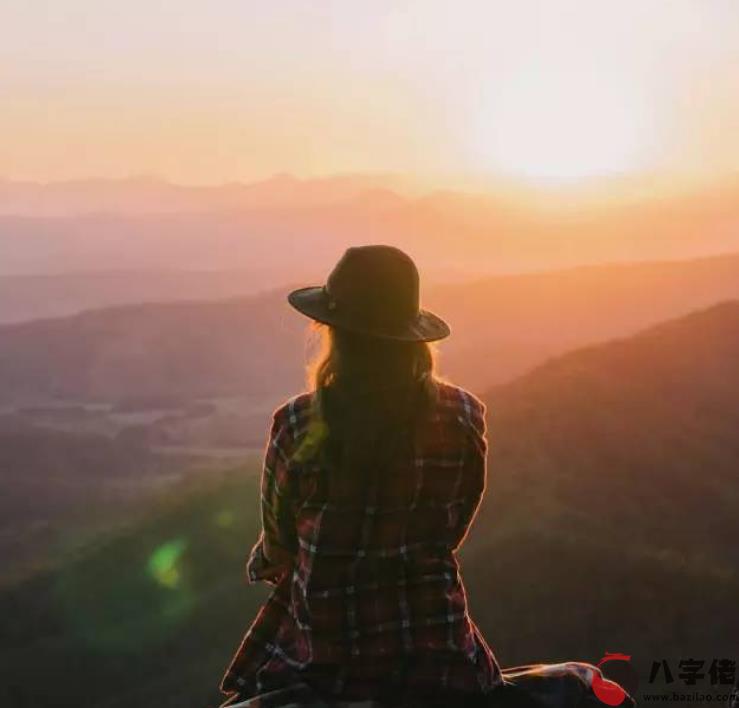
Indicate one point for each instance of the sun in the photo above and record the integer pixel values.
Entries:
(544, 125)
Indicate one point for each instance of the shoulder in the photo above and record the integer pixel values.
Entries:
(291, 418)
(466, 407)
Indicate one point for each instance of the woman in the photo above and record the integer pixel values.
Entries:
(370, 483)
(369, 486)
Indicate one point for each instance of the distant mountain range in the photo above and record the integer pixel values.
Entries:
(609, 524)
(293, 226)
(151, 195)
(255, 346)
(30, 297)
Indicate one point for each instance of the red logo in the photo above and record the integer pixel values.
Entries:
(607, 691)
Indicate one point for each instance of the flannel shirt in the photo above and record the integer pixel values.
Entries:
(369, 595)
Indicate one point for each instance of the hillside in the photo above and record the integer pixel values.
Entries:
(255, 346)
(33, 297)
(614, 484)
(148, 618)
(502, 327)
(609, 524)
(658, 413)
(58, 487)
(191, 349)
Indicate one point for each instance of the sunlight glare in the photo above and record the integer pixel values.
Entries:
(561, 125)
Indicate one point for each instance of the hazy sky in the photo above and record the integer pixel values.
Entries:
(237, 89)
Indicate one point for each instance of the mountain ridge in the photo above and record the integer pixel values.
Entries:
(501, 327)
(489, 232)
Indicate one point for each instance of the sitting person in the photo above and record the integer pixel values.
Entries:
(370, 483)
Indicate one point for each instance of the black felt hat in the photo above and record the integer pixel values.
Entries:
(372, 290)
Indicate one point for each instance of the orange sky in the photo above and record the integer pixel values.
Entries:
(205, 92)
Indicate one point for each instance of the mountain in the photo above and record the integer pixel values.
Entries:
(255, 346)
(614, 485)
(31, 297)
(196, 349)
(609, 524)
(150, 195)
(296, 225)
(503, 326)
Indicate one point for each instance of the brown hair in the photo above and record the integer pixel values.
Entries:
(370, 394)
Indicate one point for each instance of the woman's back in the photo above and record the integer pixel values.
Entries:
(374, 595)
(369, 485)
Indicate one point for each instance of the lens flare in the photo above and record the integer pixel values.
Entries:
(131, 595)
(164, 563)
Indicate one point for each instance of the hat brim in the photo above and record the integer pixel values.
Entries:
(313, 302)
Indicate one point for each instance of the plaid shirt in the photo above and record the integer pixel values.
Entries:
(370, 595)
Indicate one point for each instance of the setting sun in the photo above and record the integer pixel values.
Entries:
(551, 125)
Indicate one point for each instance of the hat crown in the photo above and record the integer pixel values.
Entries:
(372, 291)
(378, 284)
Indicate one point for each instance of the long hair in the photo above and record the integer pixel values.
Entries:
(369, 396)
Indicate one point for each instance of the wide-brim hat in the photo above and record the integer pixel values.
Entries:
(372, 290)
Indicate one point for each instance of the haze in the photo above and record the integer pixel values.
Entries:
(211, 92)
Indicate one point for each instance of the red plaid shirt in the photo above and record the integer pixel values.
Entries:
(371, 595)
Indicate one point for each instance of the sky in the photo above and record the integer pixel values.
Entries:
(209, 92)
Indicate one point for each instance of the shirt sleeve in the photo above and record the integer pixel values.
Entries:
(273, 554)
(473, 480)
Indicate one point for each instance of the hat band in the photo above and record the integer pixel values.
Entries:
(331, 303)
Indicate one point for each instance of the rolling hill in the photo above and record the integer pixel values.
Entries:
(255, 347)
(609, 524)
(614, 484)
(32, 297)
